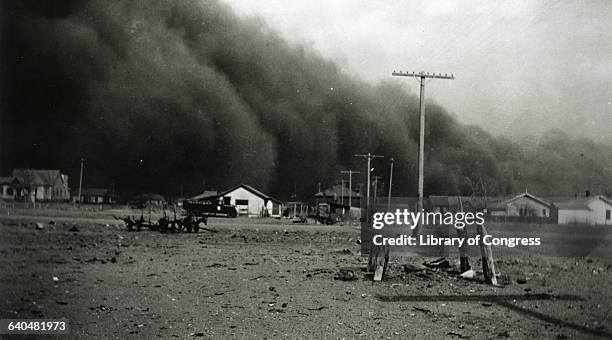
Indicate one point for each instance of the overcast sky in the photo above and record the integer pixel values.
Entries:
(520, 66)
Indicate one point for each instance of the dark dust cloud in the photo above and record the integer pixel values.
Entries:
(160, 95)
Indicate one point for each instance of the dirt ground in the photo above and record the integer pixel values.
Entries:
(256, 278)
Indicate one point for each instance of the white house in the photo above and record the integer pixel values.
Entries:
(601, 208)
(251, 202)
(596, 210)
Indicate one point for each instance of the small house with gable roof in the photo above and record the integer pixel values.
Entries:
(251, 202)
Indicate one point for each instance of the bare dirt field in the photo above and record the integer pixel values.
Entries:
(256, 278)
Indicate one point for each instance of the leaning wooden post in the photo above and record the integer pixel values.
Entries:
(488, 264)
(378, 260)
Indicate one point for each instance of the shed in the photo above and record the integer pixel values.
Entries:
(97, 196)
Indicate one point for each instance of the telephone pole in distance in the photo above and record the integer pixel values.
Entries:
(369, 157)
(350, 173)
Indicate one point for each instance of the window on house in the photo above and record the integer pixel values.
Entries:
(544, 213)
(608, 214)
(242, 202)
(10, 192)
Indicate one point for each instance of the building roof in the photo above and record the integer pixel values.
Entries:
(581, 203)
(38, 177)
(10, 180)
(572, 205)
(605, 199)
(251, 189)
(530, 196)
(337, 191)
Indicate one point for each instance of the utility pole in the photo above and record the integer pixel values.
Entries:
(369, 157)
(390, 184)
(376, 179)
(342, 193)
(422, 76)
(81, 179)
(350, 173)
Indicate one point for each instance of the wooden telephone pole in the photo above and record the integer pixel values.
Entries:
(422, 76)
(488, 263)
(369, 157)
(342, 192)
(390, 184)
(81, 179)
(350, 173)
(376, 179)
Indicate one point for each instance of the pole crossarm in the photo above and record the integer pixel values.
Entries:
(370, 156)
(423, 74)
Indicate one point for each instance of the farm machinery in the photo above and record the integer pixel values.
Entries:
(187, 224)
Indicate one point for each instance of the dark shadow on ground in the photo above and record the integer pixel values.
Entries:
(505, 301)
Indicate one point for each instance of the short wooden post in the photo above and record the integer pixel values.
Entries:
(463, 255)
(378, 260)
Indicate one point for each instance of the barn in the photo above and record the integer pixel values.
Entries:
(251, 202)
